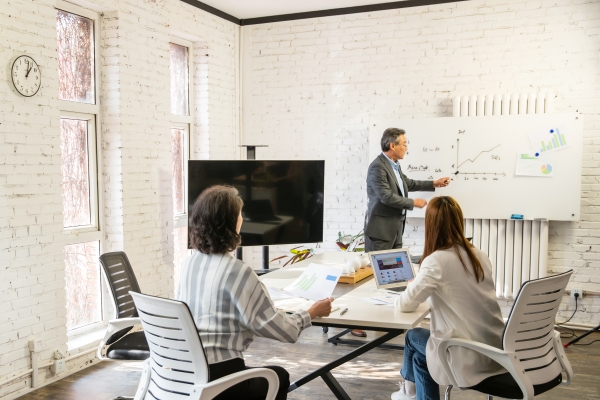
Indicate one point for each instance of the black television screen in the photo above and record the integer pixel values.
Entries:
(283, 200)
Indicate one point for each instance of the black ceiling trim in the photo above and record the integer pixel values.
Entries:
(212, 10)
(317, 14)
(346, 10)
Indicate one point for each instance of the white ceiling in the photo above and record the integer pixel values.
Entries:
(244, 9)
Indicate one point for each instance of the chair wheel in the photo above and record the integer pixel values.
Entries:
(325, 329)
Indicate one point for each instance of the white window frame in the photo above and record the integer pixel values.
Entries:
(91, 113)
(185, 122)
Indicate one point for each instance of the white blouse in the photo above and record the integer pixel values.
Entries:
(461, 308)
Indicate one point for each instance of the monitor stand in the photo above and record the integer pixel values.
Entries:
(251, 155)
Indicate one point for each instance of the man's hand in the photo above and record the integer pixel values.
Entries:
(420, 203)
(321, 308)
(442, 182)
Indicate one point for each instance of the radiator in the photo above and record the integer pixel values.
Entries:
(518, 249)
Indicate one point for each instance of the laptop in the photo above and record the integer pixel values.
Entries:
(392, 269)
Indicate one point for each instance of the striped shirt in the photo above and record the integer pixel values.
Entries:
(230, 306)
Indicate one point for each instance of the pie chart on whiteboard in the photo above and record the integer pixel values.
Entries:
(546, 169)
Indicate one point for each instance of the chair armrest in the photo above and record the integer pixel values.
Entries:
(212, 389)
(114, 326)
(562, 358)
(508, 360)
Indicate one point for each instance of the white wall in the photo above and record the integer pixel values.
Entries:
(315, 83)
(310, 87)
(135, 148)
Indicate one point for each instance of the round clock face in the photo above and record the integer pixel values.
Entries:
(26, 76)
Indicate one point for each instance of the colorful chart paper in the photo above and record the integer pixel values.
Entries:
(550, 140)
(535, 164)
(316, 282)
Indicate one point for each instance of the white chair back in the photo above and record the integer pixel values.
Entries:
(177, 358)
(529, 331)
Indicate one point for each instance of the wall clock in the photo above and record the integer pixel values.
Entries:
(26, 76)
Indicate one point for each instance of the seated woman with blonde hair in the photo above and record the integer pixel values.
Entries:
(228, 302)
(456, 279)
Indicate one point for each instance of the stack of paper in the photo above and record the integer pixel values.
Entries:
(316, 282)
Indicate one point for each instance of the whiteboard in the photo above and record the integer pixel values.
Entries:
(484, 152)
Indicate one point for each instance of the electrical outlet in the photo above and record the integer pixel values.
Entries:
(58, 367)
(579, 291)
(36, 345)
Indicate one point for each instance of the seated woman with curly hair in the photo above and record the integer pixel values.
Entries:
(228, 303)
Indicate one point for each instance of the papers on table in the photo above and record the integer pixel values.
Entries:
(278, 294)
(379, 301)
(293, 304)
(317, 282)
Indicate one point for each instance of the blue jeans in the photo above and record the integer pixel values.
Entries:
(414, 367)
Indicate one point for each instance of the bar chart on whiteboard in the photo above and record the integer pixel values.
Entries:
(499, 165)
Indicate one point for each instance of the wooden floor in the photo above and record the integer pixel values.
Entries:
(373, 376)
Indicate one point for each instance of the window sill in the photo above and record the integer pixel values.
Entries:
(87, 339)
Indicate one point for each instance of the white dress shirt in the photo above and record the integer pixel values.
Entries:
(461, 308)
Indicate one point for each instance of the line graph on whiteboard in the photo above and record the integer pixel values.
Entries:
(483, 175)
(464, 157)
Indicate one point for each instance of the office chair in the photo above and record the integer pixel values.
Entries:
(177, 367)
(532, 351)
(122, 340)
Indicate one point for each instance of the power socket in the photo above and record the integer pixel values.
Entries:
(58, 367)
(579, 293)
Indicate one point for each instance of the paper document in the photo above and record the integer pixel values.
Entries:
(316, 282)
(379, 301)
(550, 140)
(535, 164)
(278, 294)
(293, 305)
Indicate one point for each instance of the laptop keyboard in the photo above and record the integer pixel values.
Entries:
(396, 289)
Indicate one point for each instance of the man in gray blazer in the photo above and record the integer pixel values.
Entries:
(387, 191)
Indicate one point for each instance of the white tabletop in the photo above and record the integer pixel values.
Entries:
(360, 312)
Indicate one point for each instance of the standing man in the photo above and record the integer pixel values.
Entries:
(387, 191)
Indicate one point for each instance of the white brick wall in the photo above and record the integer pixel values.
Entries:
(136, 158)
(315, 83)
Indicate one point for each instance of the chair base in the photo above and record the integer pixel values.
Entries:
(449, 388)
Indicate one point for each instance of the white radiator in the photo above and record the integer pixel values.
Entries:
(518, 249)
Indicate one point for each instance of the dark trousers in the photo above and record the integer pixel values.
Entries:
(375, 244)
(250, 389)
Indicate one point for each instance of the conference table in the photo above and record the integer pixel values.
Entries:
(361, 314)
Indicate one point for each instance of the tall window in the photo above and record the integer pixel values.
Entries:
(181, 123)
(77, 36)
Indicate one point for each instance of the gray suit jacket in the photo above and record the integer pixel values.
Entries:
(385, 201)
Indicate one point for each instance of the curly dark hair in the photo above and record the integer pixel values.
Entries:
(214, 219)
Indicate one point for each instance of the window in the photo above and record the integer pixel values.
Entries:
(75, 57)
(77, 43)
(181, 123)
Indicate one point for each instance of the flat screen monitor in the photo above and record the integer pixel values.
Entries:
(283, 200)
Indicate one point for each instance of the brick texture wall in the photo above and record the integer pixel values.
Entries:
(315, 84)
(135, 156)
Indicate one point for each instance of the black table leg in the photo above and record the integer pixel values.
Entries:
(336, 339)
(325, 371)
(335, 387)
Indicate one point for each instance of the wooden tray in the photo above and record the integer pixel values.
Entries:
(357, 276)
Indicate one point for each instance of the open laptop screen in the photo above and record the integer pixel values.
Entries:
(392, 267)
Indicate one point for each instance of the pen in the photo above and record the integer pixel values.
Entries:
(343, 311)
